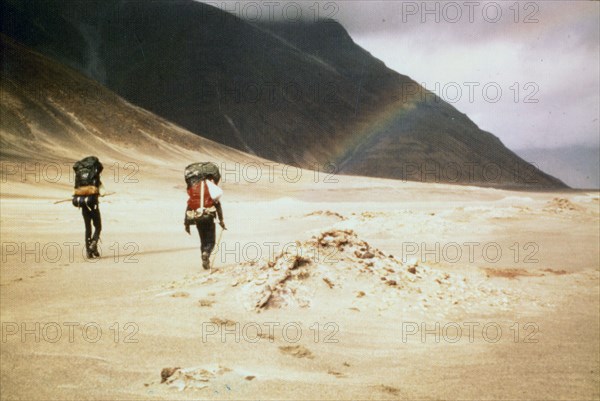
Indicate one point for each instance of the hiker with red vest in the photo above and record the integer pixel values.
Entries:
(203, 205)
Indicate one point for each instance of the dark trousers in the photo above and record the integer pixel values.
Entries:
(91, 215)
(206, 229)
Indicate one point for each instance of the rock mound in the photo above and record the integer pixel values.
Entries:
(339, 261)
(561, 205)
(194, 378)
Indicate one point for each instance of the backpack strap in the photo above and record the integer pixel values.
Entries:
(202, 196)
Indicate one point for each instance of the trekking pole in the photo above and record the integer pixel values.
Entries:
(215, 254)
(62, 200)
(69, 199)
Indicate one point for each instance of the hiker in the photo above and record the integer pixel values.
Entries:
(203, 205)
(85, 197)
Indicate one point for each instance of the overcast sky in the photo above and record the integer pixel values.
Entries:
(550, 49)
(543, 56)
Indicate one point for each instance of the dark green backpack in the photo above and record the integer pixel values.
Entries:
(197, 172)
(87, 172)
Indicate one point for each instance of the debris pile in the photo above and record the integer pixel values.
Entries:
(561, 205)
(338, 267)
(337, 260)
(195, 378)
(327, 213)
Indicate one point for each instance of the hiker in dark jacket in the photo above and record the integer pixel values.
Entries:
(91, 214)
(204, 219)
(85, 196)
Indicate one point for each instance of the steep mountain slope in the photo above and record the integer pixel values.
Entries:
(52, 112)
(294, 93)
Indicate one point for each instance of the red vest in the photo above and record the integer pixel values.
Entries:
(194, 196)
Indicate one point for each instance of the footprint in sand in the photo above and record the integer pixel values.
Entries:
(297, 351)
(338, 375)
(206, 303)
(222, 322)
(267, 336)
(388, 389)
(38, 273)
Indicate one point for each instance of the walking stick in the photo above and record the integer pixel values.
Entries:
(215, 253)
(69, 199)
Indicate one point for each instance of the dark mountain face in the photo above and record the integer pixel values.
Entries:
(50, 111)
(300, 93)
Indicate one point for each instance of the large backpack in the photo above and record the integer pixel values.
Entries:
(87, 172)
(199, 187)
(196, 172)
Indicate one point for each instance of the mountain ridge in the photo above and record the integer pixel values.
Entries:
(301, 94)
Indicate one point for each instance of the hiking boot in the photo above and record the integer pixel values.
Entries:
(94, 249)
(88, 251)
(205, 260)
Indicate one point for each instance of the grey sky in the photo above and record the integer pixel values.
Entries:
(544, 51)
(553, 59)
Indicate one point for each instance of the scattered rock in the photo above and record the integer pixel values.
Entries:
(368, 255)
(195, 378)
(167, 372)
(267, 336)
(328, 213)
(303, 274)
(509, 273)
(299, 261)
(557, 272)
(264, 300)
(337, 238)
(412, 270)
(328, 282)
(364, 255)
